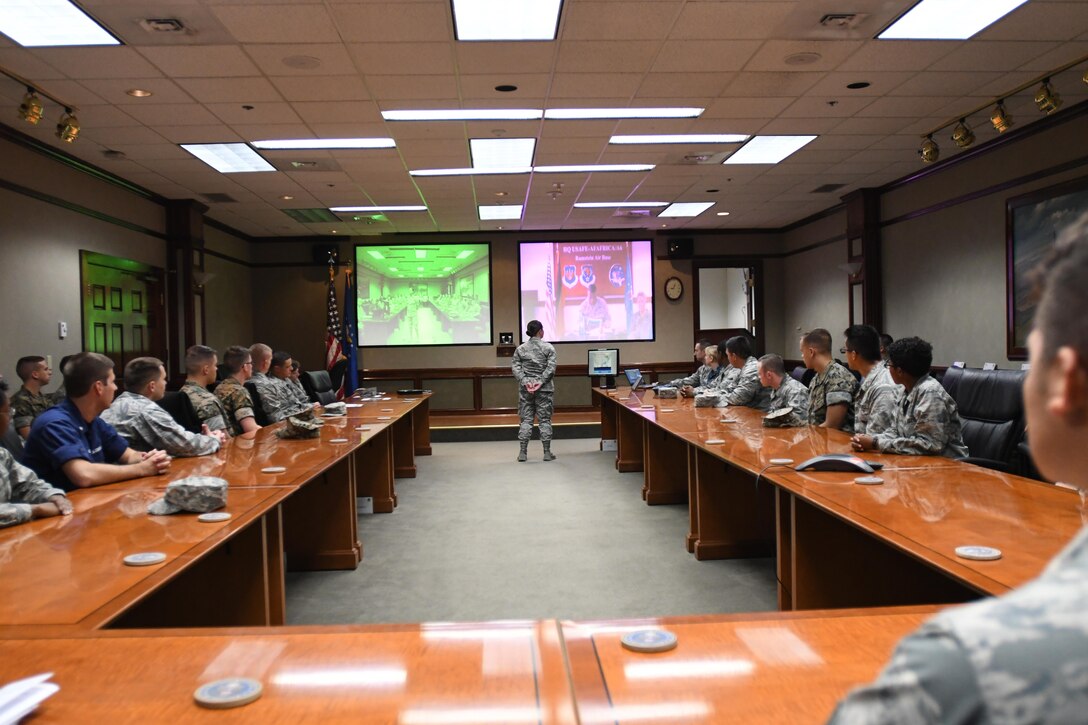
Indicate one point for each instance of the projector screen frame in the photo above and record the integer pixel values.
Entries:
(412, 245)
(595, 342)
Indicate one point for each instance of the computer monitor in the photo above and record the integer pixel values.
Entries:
(605, 363)
(634, 376)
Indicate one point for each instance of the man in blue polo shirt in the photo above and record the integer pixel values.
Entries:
(71, 447)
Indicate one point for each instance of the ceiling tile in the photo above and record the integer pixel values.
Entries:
(395, 88)
(175, 114)
(1000, 55)
(204, 61)
(216, 133)
(774, 54)
(898, 55)
(90, 62)
(254, 113)
(586, 56)
(595, 85)
(731, 20)
(283, 23)
(339, 112)
(309, 60)
(405, 58)
(23, 62)
(902, 106)
(525, 57)
(816, 107)
(322, 88)
(230, 90)
(113, 90)
(746, 108)
(1040, 21)
(683, 85)
(407, 21)
(483, 86)
(689, 56)
(605, 21)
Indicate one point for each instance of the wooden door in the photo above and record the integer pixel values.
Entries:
(122, 308)
(750, 322)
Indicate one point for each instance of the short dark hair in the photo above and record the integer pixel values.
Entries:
(593, 288)
(1063, 294)
(703, 343)
(3, 392)
(740, 346)
(533, 328)
(83, 371)
(864, 340)
(773, 363)
(64, 363)
(140, 371)
(197, 357)
(295, 364)
(912, 355)
(26, 366)
(235, 357)
(819, 339)
(885, 340)
(280, 358)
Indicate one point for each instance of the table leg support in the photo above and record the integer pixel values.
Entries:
(374, 472)
(320, 523)
(736, 519)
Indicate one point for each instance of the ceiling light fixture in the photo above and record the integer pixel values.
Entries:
(768, 149)
(470, 171)
(962, 135)
(592, 168)
(619, 204)
(229, 158)
(41, 23)
(680, 138)
(686, 208)
(139, 93)
(68, 126)
(489, 212)
(1047, 99)
(289, 144)
(374, 209)
(723, 213)
(506, 19)
(1000, 118)
(471, 114)
(563, 114)
(30, 110)
(507, 153)
(929, 150)
(948, 19)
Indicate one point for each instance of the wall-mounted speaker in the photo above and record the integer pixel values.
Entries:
(322, 252)
(681, 248)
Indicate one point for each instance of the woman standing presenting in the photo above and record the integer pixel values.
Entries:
(534, 368)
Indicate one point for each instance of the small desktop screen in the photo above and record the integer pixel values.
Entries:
(604, 361)
(634, 375)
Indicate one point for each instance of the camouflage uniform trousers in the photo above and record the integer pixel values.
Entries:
(541, 404)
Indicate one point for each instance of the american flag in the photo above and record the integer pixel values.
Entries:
(549, 300)
(333, 351)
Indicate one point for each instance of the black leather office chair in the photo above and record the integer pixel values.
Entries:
(991, 406)
(798, 373)
(258, 409)
(181, 409)
(318, 385)
(951, 380)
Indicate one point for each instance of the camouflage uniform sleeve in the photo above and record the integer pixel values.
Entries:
(797, 398)
(883, 401)
(746, 387)
(172, 438)
(549, 365)
(22, 411)
(841, 388)
(19, 483)
(516, 367)
(692, 380)
(930, 435)
(929, 679)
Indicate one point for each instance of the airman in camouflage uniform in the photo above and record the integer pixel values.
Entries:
(208, 408)
(746, 389)
(22, 494)
(833, 386)
(785, 391)
(147, 426)
(29, 401)
(926, 423)
(878, 395)
(236, 401)
(534, 368)
(1022, 658)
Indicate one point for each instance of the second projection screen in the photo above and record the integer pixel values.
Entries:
(588, 291)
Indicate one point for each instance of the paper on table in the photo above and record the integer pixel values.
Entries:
(20, 698)
(353, 405)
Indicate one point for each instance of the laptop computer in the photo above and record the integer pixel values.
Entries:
(634, 377)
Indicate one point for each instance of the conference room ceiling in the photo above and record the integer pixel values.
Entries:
(249, 70)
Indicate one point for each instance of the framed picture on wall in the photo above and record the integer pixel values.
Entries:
(1033, 222)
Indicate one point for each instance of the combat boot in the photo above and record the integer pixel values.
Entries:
(523, 454)
(548, 455)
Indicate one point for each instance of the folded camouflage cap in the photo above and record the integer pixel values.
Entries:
(666, 391)
(298, 427)
(707, 400)
(337, 408)
(782, 418)
(197, 494)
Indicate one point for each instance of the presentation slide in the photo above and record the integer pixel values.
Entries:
(588, 291)
(425, 294)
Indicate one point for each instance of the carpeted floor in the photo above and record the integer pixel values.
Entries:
(478, 536)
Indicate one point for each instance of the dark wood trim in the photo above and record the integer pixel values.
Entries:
(863, 225)
(32, 144)
(78, 209)
(829, 211)
(227, 229)
(758, 282)
(987, 191)
(1043, 124)
(228, 258)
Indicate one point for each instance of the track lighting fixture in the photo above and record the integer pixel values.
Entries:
(962, 135)
(1047, 99)
(68, 126)
(1000, 118)
(929, 150)
(30, 110)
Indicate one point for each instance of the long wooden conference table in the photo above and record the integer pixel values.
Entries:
(68, 607)
(837, 543)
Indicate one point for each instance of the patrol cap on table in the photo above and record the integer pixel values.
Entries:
(298, 427)
(197, 494)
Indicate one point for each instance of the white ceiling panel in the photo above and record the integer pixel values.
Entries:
(216, 133)
(380, 21)
(322, 88)
(98, 62)
(747, 108)
(395, 88)
(283, 23)
(529, 85)
(634, 20)
(595, 85)
(229, 90)
(1040, 21)
(175, 114)
(339, 112)
(1001, 55)
(308, 60)
(255, 113)
(898, 55)
(405, 58)
(606, 56)
(527, 57)
(731, 20)
(204, 61)
(114, 91)
(681, 56)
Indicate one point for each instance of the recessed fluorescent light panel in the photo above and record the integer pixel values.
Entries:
(506, 19)
(768, 149)
(373, 209)
(681, 138)
(41, 23)
(229, 158)
(591, 168)
(470, 171)
(619, 204)
(470, 114)
(500, 211)
(504, 153)
(686, 208)
(948, 19)
(289, 144)
(583, 113)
